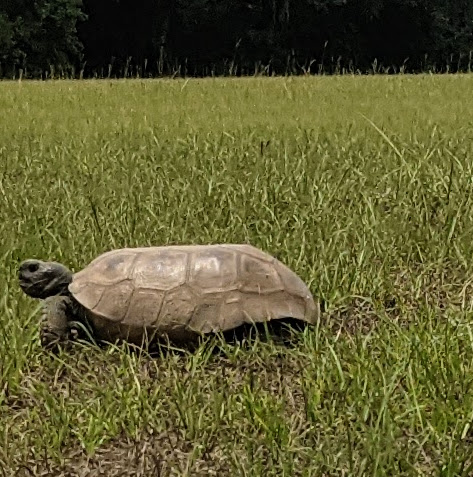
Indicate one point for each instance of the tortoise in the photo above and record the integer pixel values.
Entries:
(175, 292)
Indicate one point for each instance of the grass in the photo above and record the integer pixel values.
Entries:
(363, 185)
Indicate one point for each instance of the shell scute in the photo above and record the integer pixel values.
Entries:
(144, 308)
(88, 294)
(178, 308)
(160, 269)
(259, 277)
(115, 301)
(213, 271)
(293, 284)
(108, 269)
(206, 317)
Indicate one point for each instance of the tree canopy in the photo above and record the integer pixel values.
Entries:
(203, 37)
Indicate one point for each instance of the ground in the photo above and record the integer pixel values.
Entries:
(361, 184)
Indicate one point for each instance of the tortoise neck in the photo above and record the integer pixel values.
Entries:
(59, 286)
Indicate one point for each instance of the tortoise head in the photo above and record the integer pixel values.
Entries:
(40, 279)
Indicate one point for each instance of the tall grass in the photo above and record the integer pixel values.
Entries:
(362, 185)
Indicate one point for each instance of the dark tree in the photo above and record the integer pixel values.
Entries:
(203, 37)
(40, 35)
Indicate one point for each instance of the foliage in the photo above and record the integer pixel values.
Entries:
(203, 37)
(40, 35)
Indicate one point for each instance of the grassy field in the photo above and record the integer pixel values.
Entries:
(363, 185)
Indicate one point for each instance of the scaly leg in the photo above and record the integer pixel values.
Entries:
(55, 328)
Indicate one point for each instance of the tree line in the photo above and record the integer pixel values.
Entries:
(110, 38)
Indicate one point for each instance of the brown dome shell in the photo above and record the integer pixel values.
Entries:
(188, 289)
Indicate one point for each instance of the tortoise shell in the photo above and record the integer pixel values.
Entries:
(187, 290)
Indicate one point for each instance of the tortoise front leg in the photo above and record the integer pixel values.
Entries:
(55, 327)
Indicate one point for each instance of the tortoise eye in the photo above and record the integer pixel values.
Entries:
(33, 267)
